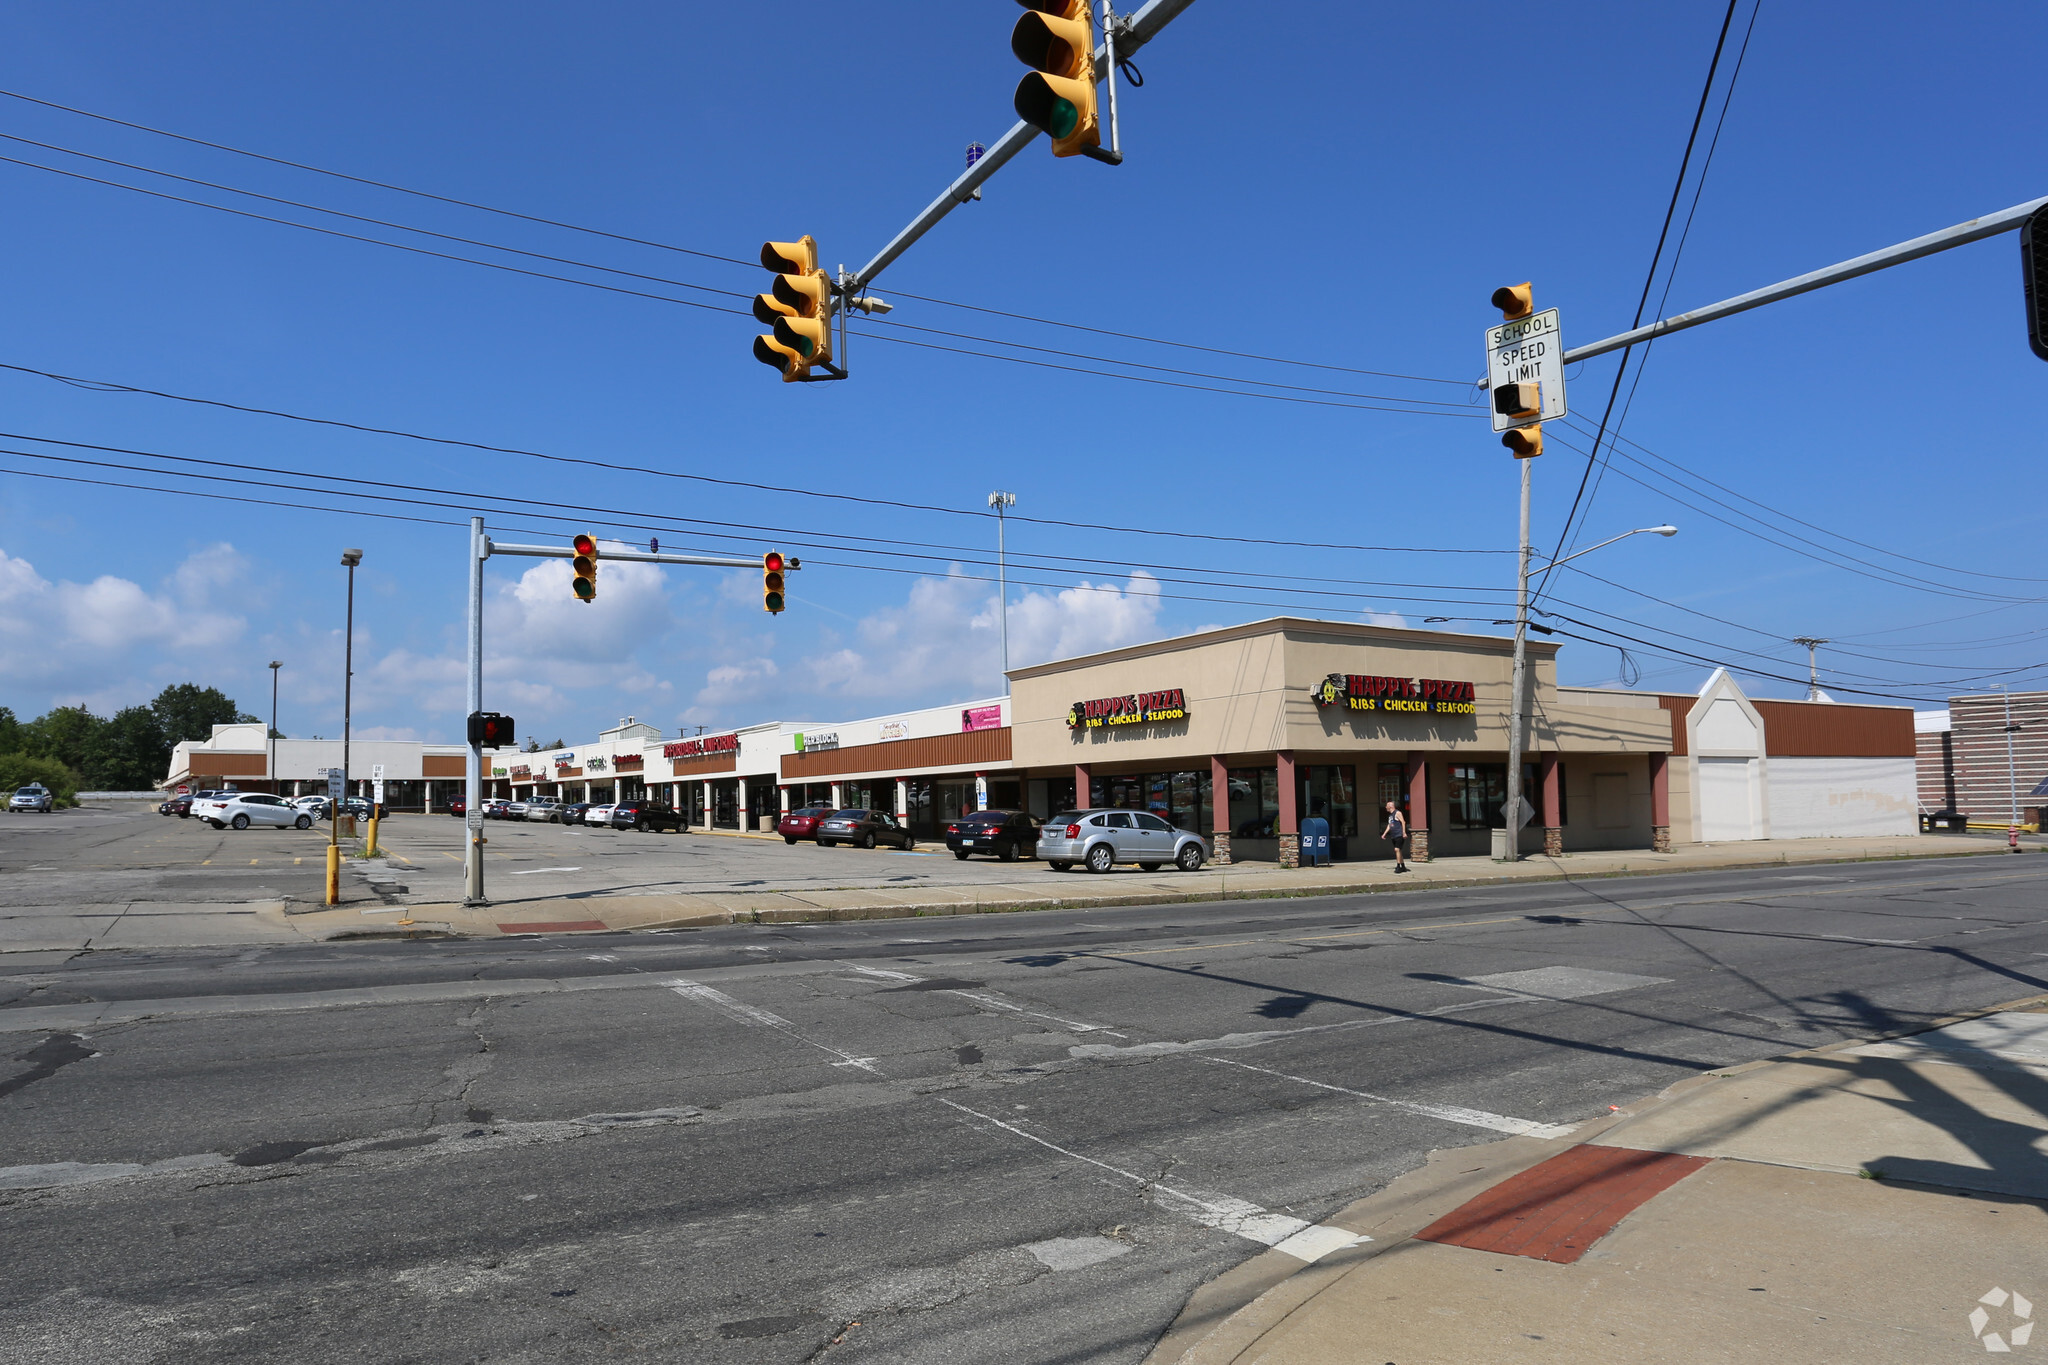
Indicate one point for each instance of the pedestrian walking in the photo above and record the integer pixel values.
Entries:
(1396, 833)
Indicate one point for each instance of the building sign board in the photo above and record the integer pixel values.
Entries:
(702, 745)
(1376, 692)
(1138, 708)
(565, 760)
(595, 763)
(628, 760)
(807, 744)
(895, 729)
(522, 773)
(981, 718)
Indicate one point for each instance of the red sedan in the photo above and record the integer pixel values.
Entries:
(801, 824)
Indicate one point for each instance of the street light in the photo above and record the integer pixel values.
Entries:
(349, 560)
(275, 785)
(1002, 502)
(1506, 841)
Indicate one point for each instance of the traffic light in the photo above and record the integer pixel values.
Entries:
(1058, 97)
(771, 581)
(1524, 398)
(2034, 279)
(1514, 301)
(798, 307)
(490, 730)
(1525, 442)
(584, 565)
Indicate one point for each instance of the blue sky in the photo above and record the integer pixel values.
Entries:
(1348, 200)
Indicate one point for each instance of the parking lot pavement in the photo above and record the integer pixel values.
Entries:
(525, 860)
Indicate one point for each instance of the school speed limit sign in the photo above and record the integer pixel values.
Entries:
(1527, 350)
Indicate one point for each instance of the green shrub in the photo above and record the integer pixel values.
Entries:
(19, 770)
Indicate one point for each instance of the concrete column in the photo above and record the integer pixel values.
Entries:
(1289, 828)
(1083, 778)
(1660, 803)
(902, 798)
(1418, 807)
(1549, 783)
(1219, 811)
(707, 805)
(835, 796)
(741, 797)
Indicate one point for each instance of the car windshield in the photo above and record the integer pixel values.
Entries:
(987, 817)
(30, 791)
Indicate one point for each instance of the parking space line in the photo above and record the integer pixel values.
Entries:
(1308, 1242)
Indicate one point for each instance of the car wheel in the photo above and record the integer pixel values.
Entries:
(639, 826)
(1008, 853)
(1101, 858)
(1148, 867)
(824, 843)
(303, 822)
(241, 822)
(961, 854)
(867, 840)
(789, 839)
(1057, 866)
(909, 843)
(1190, 858)
(184, 815)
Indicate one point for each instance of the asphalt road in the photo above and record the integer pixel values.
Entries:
(1020, 1138)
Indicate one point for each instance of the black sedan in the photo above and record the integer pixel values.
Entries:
(646, 815)
(569, 813)
(865, 828)
(177, 805)
(1003, 833)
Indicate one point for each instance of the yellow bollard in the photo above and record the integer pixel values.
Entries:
(370, 850)
(334, 874)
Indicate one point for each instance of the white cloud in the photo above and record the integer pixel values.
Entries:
(944, 642)
(1385, 618)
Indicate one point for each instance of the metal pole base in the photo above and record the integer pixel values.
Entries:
(1504, 850)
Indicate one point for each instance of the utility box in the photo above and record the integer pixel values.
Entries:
(1315, 842)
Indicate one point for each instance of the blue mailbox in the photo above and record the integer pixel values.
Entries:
(1315, 842)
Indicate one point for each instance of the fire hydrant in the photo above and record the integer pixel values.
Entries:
(2012, 837)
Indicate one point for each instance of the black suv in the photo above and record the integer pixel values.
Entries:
(646, 815)
(1005, 833)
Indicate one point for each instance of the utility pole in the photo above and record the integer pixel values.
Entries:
(349, 558)
(276, 786)
(1812, 643)
(1002, 502)
(2012, 781)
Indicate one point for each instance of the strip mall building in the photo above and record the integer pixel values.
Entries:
(1243, 732)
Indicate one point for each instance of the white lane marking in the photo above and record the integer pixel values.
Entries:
(1561, 983)
(886, 974)
(529, 871)
(54, 1173)
(1264, 1036)
(750, 1014)
(992, 1001)
(1886, 942)
(1301, 1240)
(602, 957)
(1450, 1113)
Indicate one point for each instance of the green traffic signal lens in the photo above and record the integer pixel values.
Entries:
(585, 589)
(1044, 110)
(772, 601)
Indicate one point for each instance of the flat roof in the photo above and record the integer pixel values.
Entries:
(1274, 625)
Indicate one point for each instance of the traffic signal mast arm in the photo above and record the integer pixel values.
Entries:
(498, 547)
(1136, 31)
(1962, 234)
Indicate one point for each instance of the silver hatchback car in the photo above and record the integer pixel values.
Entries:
(1100, 839)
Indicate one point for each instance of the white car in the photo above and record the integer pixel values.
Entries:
(541, 808)
(600, 815)
(243, 809)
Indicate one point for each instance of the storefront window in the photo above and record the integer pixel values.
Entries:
(1254, 802)
(725, 804)
(1179, 798)
(1330, 793)
(1477, 793)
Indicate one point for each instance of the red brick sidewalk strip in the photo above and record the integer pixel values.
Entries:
(1557, 1210)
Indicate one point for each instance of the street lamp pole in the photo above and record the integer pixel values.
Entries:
(1506, 841)
(275, 785)
(1002, 502)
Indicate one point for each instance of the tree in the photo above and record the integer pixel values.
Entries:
(10, 732)
(556, 744)
(532, 746)
(187, 711)
(127, 753)
(19, 770)
(65, 733)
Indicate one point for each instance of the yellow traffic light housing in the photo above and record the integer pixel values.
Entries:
(797, 309)
(1525, 442)
(1058, 97)
(584, 565)
(1514, 301)
(772, 565)
(1523, 398)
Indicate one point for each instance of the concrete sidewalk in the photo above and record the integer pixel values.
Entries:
(1037, 888)
(1879, 1202)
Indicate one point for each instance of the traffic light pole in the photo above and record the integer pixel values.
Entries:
(1962, 234)
(482, 547)
(1136, 31)
(1508, 848)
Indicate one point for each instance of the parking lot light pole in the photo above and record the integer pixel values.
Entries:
(275, 785)
(1003, 502)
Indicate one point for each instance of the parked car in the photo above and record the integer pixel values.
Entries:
(1004, 833)
(598, 813)
(644, 815)
(239, 810)
(320, 808)
(177, 805)
(495, 808)
(35, 796)
(459, 806)
(1100, 839)
(801, 824)
(541, 808)
(514, 810)
(571, 812)
(865, 828)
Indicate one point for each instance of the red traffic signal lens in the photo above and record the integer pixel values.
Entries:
(585, 547)
(772, 561)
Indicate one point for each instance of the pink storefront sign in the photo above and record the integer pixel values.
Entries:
(981, 718)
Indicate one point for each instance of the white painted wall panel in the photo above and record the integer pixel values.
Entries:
(1727, 797)
(1815, 798)
(1727, 726)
